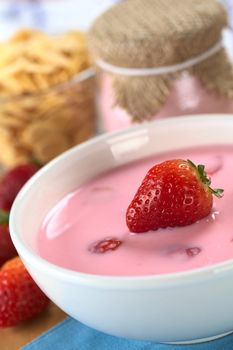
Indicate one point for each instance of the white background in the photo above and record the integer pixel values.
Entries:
(53, 16)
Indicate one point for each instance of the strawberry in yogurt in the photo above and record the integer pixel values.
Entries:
(173, 193)
(89, 230)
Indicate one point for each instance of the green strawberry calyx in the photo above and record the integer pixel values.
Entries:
(205, 179)
(4, 217)
(36, 162)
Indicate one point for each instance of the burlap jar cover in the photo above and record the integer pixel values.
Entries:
(145, 45)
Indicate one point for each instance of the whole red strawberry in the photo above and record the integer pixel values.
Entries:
(12, 182)
(173, 193)
(7, 249)
(20, 297)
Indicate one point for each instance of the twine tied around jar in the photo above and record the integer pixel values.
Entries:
(146, 45)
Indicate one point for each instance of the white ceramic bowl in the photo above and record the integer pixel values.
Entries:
(179, 307)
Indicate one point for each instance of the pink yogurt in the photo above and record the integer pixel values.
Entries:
(187, 96)
(97, 210)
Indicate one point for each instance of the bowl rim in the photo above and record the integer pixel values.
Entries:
(31, 258)
(81, 76)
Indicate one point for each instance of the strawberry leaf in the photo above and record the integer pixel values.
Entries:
(36, 162)
(200, 169)
(218, 192)
(4, 217)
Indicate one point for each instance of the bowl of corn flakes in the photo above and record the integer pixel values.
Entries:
(47, 95)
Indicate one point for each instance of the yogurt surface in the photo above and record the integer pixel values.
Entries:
(96, 211)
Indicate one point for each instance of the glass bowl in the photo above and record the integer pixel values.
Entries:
(44, 124)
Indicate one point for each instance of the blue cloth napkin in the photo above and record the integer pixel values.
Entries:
(73, 335)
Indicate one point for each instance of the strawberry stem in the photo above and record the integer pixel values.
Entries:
(200, 169)
(4, 217)
(36, 161)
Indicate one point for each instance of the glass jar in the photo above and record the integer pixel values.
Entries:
(187, 96)
(161, 59)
